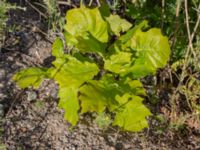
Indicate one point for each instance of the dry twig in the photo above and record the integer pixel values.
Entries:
(36, 9)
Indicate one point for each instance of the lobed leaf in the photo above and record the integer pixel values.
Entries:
(97, 95)
(126, 38)
(84, 23)
(90, 44)
(69, 102)
(104, 92)
(132, 117)
(152, 52)
(119, 63)
(124, 42)
(70, 73)
(30, 77)
(118, 24)
(136, 87)
(58, 48)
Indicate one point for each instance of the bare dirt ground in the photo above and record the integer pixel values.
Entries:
(32, 120)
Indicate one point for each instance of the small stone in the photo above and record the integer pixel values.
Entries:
(101, 138)
(54, 93)
(2, 96)
(127, 146)
(2, 74)
(111, 148)
(119, 146)
(1, 113)
(23, 129)
(1, 107)
(1, 110)
(31, 95)
(1, 85)
(111, 140)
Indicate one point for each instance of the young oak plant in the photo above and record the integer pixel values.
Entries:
(101, 73)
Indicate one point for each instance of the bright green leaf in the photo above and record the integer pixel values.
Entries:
(93, 98)
(83, 20)
(58, 48)
(69, 102)
(104, 92)
(129, 34)
(118, 24)
(136, 87)
(132, 114)
(30, 77)
(97, 95)
(72, 72)
(70, 39)
(150, 49)
(90, 44)
(124, 42)
(119, 63)
(152, 52)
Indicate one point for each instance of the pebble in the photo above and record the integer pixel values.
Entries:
(2, 74)
(2, 96)
(1, 113)
(32, 95)
(1, 85)
(111, 140)
(111, 148)
(1, 110)
(119, 146)
(54, 93)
